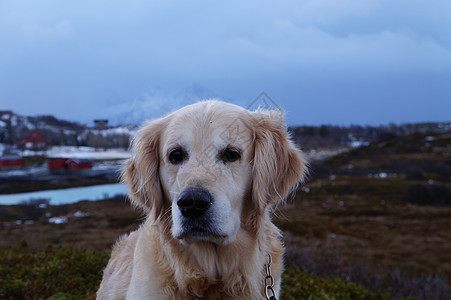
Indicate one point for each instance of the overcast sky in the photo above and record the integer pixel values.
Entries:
(323, 61)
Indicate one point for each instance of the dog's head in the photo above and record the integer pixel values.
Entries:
(212, 167)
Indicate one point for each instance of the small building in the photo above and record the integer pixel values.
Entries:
(100, 124)
(11, 162)
(34, 141)
(69, 164)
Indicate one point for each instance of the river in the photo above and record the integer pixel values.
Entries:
(67, 196)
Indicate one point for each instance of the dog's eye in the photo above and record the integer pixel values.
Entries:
(230, 155)
(176, 156)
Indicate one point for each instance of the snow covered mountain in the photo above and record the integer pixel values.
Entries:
(155, 103)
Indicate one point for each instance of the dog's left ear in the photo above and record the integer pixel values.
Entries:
(278, 166)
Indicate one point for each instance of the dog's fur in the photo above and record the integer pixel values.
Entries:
(167, 259)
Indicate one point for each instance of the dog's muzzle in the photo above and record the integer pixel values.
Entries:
(194, 202)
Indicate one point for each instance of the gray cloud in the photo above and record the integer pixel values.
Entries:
(77, 59)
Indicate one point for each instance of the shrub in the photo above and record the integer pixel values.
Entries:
(119, 198)
(299, 285)
(60, 273)
(328, 263)
(434, 194)
(33, 209)
(67, 273)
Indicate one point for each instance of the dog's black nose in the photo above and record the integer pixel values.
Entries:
(194, 202)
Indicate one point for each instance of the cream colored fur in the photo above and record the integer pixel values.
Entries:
(156, 262)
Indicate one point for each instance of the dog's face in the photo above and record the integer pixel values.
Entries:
(212, 167)
(206, 171)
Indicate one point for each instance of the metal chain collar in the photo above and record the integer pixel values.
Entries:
(269, 281)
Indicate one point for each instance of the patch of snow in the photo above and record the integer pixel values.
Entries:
(356, 142)
(87, 152)
(383, 175)
(29, 125)
(31, 171)
(322, 154)
(58, 220)
(14, 121)
(121, 130)
(108, 165)
(26, 153)
(80, 214)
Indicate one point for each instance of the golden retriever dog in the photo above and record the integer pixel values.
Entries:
(208, 177)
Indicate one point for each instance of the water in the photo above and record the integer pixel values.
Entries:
(67, 196)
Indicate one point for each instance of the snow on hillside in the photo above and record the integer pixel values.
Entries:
(87, 152)
(109, 132)
(61, 132)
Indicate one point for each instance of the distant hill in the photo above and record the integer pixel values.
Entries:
(418, 156)
(330, 136)
(61, 132)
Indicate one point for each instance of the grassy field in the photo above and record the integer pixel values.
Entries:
(67, 273)
(364, 237)
(395, 248)
(372, 223)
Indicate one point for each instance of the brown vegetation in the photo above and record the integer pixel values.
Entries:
(385, 222)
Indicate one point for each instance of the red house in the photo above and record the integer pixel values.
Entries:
(7, 162)
(68, 164)
(34, 141)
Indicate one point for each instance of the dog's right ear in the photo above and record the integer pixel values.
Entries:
(141, 171)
